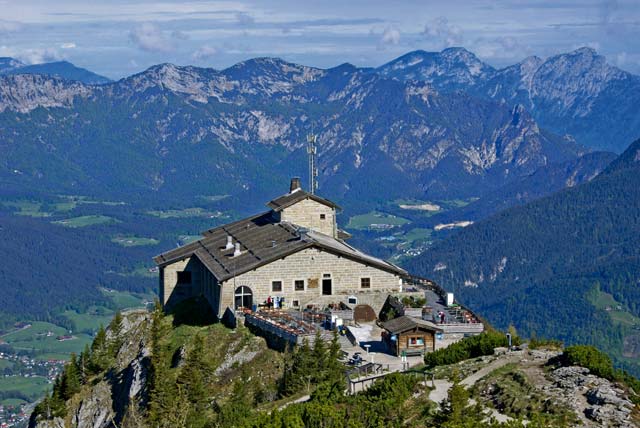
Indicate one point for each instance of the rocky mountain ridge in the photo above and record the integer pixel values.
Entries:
(576, 93)
(253, 118)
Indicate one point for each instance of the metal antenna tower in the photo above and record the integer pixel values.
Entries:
(312, 150)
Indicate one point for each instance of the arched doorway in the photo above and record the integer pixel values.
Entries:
(243, 297)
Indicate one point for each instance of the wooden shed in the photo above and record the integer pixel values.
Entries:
(410, 335)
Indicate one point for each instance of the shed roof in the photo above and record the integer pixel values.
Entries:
(262, 240)
(405, 323)
(286, 200)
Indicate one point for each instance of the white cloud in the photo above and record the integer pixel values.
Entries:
(205, 52)
(149, 37)
(32, 56)
(70, 45)
(390, 36)
(440, 31)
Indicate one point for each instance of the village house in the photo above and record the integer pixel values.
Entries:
(290, 256)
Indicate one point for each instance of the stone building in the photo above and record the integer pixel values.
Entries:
(292, 255)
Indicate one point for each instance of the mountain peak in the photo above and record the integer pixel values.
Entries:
(585, 51)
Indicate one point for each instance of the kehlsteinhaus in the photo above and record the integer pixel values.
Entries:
(293, 255)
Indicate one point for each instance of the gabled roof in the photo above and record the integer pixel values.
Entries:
(262, 240)
(284, 201)
(405, 323)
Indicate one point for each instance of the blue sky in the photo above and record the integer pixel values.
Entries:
(117, 38)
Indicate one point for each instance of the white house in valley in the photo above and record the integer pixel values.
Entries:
(294, 253)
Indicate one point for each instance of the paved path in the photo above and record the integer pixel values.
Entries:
(442, 386)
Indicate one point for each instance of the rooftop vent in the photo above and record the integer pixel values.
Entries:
(295, 184)
(229, 243)
(237, 251)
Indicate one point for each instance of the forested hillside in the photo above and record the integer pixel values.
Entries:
(565, 266)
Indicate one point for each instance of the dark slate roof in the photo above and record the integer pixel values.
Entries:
(284, 201)
(262, 241)
(405, 323)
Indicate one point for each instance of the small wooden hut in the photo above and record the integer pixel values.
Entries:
(411, 336)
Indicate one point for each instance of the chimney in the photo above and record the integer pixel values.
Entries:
(229, 242)
(237, 251)
(295, 184)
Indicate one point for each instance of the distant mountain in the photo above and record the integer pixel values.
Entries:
(243, 129)
(564, 266)
(62, 69)
(8, 64)
(451, 69)
(576, 93)
(545, 181)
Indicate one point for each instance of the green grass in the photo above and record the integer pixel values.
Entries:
(125, 300)
(33, 387)
(50, 344)
(458, 203)
(12, 402)
(4, 364)
(86, 220)
(37, 329)
(618, 313)
(375, 220)
(90, 321)
(134, 241)
(417, 234)
(27, 208)
(185, 213)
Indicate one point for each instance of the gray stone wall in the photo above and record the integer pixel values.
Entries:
(170, 291)
(308, 213)
(309, 265)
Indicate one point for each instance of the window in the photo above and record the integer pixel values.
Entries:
(365, 282)
(298, 285)
(353, 300)
(184, 277)
(323, 216)
(276, 286)
(243, 297)
(296, 303)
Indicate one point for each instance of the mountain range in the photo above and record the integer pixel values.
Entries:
(564, 266)
(416, 127)
(61, 69)
(576, 93)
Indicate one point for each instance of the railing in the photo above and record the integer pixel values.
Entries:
(459, 310)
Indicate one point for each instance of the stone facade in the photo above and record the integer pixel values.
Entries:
(313, 215)
(311, 266)
(202, 282)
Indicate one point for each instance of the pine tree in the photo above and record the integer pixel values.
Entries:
(70, 379)
(319, 357)
(191, 378)
(115, 327)
(99, 352)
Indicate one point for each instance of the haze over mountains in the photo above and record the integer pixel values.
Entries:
(434, 125)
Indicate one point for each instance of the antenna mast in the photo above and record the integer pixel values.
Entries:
(313, 169)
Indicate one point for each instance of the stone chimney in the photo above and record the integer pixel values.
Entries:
(295, 184)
